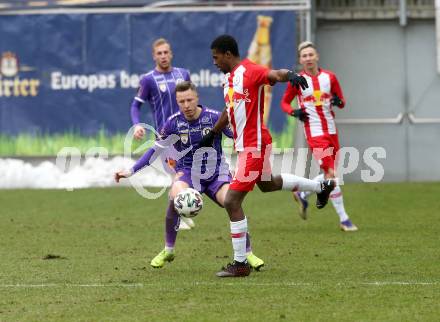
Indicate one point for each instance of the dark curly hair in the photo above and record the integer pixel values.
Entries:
(226, 43)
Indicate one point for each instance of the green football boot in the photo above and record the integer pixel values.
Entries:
(161, 258)
(255, 262)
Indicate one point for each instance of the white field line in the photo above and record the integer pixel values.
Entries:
(399, 283)
(69, 285)
(239, 284)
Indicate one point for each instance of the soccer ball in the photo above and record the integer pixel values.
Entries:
(188, 202)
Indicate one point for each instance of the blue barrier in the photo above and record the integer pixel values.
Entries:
(79, 72)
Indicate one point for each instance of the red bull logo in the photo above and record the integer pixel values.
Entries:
(318, 98)
(238, 97)
(228, 99)
(234, 97)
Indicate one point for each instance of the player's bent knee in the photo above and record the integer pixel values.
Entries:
(268, 187)
(177, 187)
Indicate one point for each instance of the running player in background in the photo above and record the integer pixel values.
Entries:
(198, 169)
(315, 110)
(157, 87)
(244, 98)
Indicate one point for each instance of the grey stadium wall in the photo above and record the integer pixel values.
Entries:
(388, 74)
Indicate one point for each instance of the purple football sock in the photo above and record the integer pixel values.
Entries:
(172, 221)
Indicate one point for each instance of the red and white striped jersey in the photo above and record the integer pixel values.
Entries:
(244, 98)
(315, 100)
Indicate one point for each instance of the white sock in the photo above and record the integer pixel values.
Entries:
(238, 235)
(338, 203)
(306, 194)
(292, 182)
(169, 249)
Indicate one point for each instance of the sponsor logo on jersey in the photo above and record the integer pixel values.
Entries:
(318, 98)
(206, 130)
(205, 119)
(162, 87)
(184, 138)
(238, 97)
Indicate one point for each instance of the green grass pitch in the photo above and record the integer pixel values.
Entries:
(100, 242)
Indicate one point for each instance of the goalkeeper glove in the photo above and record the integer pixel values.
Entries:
(335, 100)
(297, 80)
(300, 114)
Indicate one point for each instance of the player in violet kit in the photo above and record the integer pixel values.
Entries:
(202, 169)
(157, 88)
(244, 98)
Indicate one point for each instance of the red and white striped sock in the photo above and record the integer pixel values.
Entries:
(238, 235)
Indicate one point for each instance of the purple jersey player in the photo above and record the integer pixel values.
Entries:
(157, 88)
(202, 169)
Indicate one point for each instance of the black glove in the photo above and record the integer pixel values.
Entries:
(335, 100)
(208, 139)
(297, 80)
(300, 114)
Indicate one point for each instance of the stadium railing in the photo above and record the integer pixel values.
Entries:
(373, 9)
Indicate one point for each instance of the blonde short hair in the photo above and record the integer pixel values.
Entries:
(159, 42)
(304, 45)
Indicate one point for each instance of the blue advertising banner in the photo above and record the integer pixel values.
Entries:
(77, 73)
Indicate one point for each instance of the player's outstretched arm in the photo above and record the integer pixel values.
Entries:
(285, 75)
(123, 174)
(148, 158)
(144, 161)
